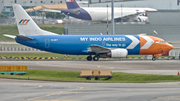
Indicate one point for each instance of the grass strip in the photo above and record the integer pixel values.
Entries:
(71, 76)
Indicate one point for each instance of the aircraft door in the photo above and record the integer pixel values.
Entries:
(47, 43)
(103, 43)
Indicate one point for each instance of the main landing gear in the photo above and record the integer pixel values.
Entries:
(95, 58)
(89, 58)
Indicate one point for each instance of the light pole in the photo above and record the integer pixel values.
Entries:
(107, 18)
(122, 13)
(112, 17)
(35, 10)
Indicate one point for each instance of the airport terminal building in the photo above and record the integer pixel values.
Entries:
(165, 21)
(6, 5)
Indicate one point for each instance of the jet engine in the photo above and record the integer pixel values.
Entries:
(116, 53)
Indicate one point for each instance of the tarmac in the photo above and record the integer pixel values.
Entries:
(29, 90)
(164, 67)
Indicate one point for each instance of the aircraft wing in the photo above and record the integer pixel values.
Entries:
(98, 49)
(74, 11)
(49, 10)
(127, 16)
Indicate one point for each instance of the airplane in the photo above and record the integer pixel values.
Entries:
(99, 46)
(99, 14)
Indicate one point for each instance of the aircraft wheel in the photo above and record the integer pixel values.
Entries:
(154, 58)
(96, 58)
(89, 58)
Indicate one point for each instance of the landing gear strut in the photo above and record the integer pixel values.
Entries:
(154, 58)
(96, 58)
(89, 58)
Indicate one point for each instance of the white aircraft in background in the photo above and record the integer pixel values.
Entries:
(99, 14)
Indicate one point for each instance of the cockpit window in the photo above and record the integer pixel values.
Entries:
(157, 41)
(162, 41)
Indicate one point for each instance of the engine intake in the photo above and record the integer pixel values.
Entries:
(118, 53)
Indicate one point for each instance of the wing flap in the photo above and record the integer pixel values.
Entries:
(98, 49)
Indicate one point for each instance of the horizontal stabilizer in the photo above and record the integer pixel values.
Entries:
(10, 36)
(24, 38)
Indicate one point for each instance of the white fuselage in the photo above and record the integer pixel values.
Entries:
(104, 13)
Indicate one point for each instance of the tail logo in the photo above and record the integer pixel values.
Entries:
(69, 0)
(24, 22)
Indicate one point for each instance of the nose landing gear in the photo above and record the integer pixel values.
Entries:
(154, 58)
(95, 58)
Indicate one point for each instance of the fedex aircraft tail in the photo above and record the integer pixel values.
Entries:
(26, 25)
(72, 4)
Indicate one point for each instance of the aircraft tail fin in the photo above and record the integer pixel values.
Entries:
(72, 4)
(26, 25)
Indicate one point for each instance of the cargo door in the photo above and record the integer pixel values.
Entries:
(47, 43)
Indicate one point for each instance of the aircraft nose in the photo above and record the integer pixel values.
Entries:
(170, 46)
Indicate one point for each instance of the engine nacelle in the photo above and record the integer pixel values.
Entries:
(118, 53)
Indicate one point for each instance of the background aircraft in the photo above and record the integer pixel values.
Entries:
(111, 46)
(99, 14)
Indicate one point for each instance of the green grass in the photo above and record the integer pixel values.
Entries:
(12, 30)
(71, 76)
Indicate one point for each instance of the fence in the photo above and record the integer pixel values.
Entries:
(10, 47)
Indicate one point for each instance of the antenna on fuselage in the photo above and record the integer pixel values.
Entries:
(154, 32)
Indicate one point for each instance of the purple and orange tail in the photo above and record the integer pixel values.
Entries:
(72, 4)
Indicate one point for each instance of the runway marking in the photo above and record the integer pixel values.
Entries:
(120, 61)
(52, 95)
(33, 85)
(53, 100)
(109, 67)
